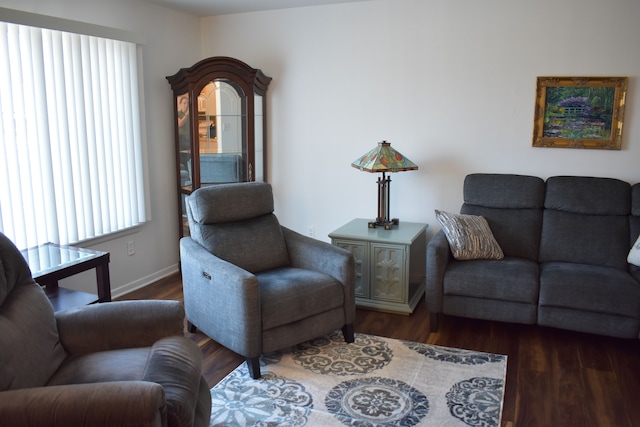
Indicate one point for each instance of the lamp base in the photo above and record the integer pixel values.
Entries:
(386, 223)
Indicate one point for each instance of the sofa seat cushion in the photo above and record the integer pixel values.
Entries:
(590, 288)
(509, 279)
(290, 294)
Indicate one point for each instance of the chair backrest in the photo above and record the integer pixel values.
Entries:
(512, 205)
(30, 349)
(586, 220)
(235, 222)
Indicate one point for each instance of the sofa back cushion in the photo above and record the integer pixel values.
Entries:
(512, 205)
(586, 220)
(235, 222)
(30, 349)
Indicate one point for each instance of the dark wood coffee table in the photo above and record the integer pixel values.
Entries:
(50, 263)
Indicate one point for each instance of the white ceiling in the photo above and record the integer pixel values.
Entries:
(224, 7)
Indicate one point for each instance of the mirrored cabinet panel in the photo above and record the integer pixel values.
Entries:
(220, 117)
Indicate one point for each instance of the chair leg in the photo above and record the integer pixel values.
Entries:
(253, 363)
(434, 318)
(347, 331)
(191, 327)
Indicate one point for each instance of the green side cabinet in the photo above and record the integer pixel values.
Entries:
(390, 264)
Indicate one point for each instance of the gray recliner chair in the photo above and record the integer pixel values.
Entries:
(255, 286)
(112, 364)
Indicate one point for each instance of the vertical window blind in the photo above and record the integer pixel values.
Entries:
(71, 163)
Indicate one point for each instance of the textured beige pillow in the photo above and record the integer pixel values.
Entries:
(634, 253)
(469, 236)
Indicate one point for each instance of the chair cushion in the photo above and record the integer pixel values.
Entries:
(103, 366)
(469, 236)
(31, 350)
(231, 202)
(255, 244)
(291, 294)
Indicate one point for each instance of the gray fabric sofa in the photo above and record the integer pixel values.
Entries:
(565, 244)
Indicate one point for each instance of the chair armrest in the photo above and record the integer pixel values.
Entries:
(121, 324)
(313, 254)
(176, 364)
(438, 257)
(221, 299)
(122, 403)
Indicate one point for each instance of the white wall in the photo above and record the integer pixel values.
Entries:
(451, 84)
(172, 42)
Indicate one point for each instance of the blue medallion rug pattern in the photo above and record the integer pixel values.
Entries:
(372, 382)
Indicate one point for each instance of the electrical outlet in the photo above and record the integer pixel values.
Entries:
(130, 248)
(311, 231)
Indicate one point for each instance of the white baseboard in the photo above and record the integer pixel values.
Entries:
(144, 281)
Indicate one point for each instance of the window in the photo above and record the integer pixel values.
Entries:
(71, 158)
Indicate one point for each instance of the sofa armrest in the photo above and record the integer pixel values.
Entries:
(438, 257)
(313, 254)
(123, 403)
(221, 299)
(121, 324)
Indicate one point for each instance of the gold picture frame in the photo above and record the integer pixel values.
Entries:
(579, 112)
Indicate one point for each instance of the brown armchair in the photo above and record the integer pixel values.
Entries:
(111, 364)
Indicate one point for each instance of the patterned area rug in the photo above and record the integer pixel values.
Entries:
(371, 382)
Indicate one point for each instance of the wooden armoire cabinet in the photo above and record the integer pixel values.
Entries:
(220, 126)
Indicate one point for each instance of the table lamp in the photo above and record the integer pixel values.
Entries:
(383, 159)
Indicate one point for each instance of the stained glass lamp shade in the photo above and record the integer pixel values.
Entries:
(383, 159)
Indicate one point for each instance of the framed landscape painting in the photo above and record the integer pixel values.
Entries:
(579, 112)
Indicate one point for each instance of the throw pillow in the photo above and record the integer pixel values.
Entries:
(634, 253)
(469, 236)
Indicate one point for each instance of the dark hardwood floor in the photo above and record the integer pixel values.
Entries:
(554, 377)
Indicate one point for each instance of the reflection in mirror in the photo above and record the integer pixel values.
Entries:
(220, 124)
(259, 139)
(184, 136)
